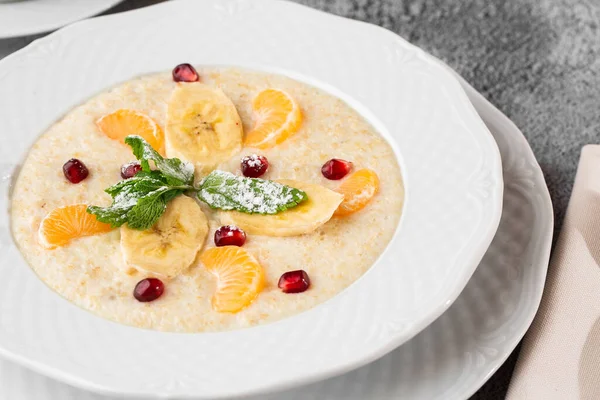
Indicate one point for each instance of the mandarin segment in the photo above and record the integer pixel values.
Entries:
(64, 224)
(277, 116)
(240, 278)
(358, 190)
(122, 123)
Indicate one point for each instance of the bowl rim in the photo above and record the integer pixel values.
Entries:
(389, 335)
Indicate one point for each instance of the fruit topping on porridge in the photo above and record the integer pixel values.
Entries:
(294, 281)
(130, 170)
(358, 190)
(203, 126)
(254, 166)
(185, 73)
(148, 289)
(276, 118)
(243, 168)
(229, 235)
(121, 123)
(163, 228)
(335, 169)
(64, 224)
(75, 171)
(168, 246)
(240, 278)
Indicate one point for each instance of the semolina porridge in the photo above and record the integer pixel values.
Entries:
(283, 197)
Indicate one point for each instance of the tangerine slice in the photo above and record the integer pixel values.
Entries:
(64, 224)
(358, 190)
(240, 278)
(277, 117)
(122, 123)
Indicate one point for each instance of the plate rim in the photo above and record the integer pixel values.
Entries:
(540, 265)
(416, 327)
(545, 240)
(95, 8)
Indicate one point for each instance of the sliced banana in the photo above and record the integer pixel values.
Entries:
(304, 218)
(203, 125)
(171, 245)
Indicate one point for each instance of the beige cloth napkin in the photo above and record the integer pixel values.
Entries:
(560, 356)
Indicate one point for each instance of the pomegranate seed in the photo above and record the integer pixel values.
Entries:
(75, 171)
(336, 168)
(148, 289)
(130, 170)
(294, 281)
(254, 166)
(230, 235)
(185, 73)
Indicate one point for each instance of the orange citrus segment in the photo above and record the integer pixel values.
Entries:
(239, 277)
(122, 123)
(64, 224)
(277, 117)
(358, 189)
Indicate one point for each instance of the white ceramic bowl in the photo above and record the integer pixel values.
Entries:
(450, 163)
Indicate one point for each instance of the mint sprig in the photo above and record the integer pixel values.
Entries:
(175, 171)
(140, 201)
(226, 191)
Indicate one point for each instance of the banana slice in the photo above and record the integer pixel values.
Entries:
(171, 245)
(202, 126)
(304, 218)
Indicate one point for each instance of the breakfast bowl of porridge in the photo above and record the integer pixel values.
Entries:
(204, 186)
(260, 210)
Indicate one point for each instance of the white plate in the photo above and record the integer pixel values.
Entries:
(28, 17)
(455, 355)
(450, 162)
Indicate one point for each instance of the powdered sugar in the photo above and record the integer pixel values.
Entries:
(227, 191)
(253, 160)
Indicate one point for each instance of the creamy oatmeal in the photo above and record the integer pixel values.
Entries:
(91, 271)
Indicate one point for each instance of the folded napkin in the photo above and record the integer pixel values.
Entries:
(560, 356)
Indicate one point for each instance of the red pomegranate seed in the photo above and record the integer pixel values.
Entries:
(148, 289)
(254, 166)
(230, 235)
(130, 170)
(185, 73)
(294, 281)
(75, 171)
(336, 168)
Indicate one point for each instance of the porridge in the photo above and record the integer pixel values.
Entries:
(282, 197)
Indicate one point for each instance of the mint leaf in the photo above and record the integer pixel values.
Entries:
(115, 216)
(141, 200)
(125, 195)
(226, 191)
(149, 208)
(175, 171)
(138, 201)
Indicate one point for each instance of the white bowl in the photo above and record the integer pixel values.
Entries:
(449, 160)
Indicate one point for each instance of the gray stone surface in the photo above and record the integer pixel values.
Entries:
(536, 60)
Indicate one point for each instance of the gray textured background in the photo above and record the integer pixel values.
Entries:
(536, 60)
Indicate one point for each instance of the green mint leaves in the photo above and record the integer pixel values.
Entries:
(141, 200)
(138, 201)
(227, 191)
(175, 171)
